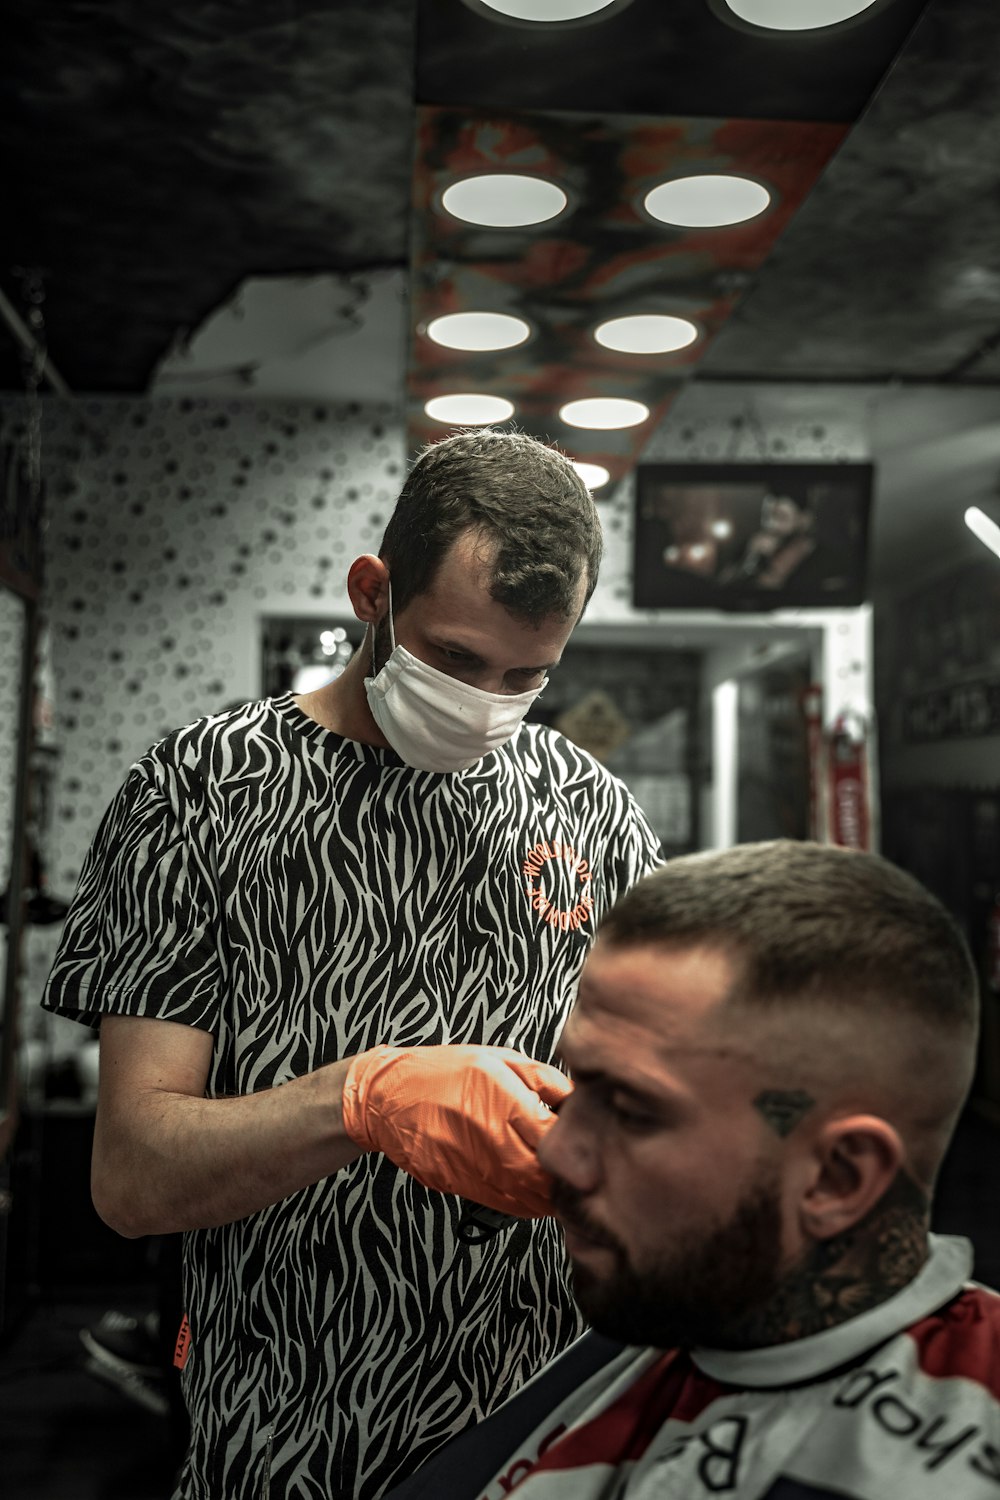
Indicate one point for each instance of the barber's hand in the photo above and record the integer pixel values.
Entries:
(460, 1119)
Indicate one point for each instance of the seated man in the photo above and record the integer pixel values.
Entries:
(769, 1049)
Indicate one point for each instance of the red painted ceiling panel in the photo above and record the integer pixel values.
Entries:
(603, 257)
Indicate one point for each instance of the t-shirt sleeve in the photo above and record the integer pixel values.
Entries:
(643, 847)
(635, 850)
(142, 934)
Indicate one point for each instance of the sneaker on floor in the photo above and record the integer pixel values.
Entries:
(124, 1352)
(145, 1391)
(125, 1342)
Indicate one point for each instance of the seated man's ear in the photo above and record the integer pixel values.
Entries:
(855, 1162)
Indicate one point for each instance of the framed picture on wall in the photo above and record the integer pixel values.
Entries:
(750, 536)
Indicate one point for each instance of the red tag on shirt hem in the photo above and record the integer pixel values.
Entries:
(182, 1348)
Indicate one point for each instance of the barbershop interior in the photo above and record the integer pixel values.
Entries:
(736, 259)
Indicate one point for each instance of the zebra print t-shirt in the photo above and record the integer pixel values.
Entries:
(304, 897)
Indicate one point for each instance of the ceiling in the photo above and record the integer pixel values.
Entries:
(242, 195)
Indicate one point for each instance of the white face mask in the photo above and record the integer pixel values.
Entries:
(434, 722)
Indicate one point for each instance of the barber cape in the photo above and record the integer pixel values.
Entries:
(902, 1403)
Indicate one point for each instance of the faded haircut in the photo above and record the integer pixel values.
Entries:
(804, 922)
(534, 515)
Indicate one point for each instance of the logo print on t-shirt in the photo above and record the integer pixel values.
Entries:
(535, 869)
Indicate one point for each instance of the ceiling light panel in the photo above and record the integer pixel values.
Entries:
(478, 331)
(707, 200)
(545, 12)
(646, 333)
(797, 15)
(469, 409)
(504, 200)
(593, 475)
(600, 260)
(604, 412)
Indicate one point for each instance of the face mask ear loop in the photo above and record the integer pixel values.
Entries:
(392, 634)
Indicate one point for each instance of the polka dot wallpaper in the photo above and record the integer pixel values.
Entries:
(175, 525)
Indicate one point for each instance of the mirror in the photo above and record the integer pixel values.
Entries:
(14, 716)
(19, 587)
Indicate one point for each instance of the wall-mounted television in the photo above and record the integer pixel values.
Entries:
(751, 536)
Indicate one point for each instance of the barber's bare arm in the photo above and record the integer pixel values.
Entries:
(166, 1158)
(461, 1119)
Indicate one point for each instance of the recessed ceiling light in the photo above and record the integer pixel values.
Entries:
(478, 330)
(593, 475)
(604, 412)
(547, 10)
(646, 333)
(797, 15)
(504, 200)
(706, 201)
(468, 409)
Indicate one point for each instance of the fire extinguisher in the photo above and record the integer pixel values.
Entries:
(849, 792)
(812, 713)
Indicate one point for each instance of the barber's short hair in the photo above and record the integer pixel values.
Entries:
(804, 922)
(525, 501)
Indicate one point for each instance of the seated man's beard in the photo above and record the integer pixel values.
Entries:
(701, 1290)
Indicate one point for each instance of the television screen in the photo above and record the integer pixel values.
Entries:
(750, 536)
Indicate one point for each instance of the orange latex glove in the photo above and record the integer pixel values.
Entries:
(460, 1119)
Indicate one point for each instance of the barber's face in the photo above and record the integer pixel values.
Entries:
(667, 1180)
(459, 628)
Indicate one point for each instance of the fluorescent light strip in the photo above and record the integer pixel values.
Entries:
(981, 526)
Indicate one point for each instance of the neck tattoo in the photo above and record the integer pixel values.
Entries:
(848, 1274)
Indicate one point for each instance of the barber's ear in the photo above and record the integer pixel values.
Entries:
(368, 588)
(856, 1160)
